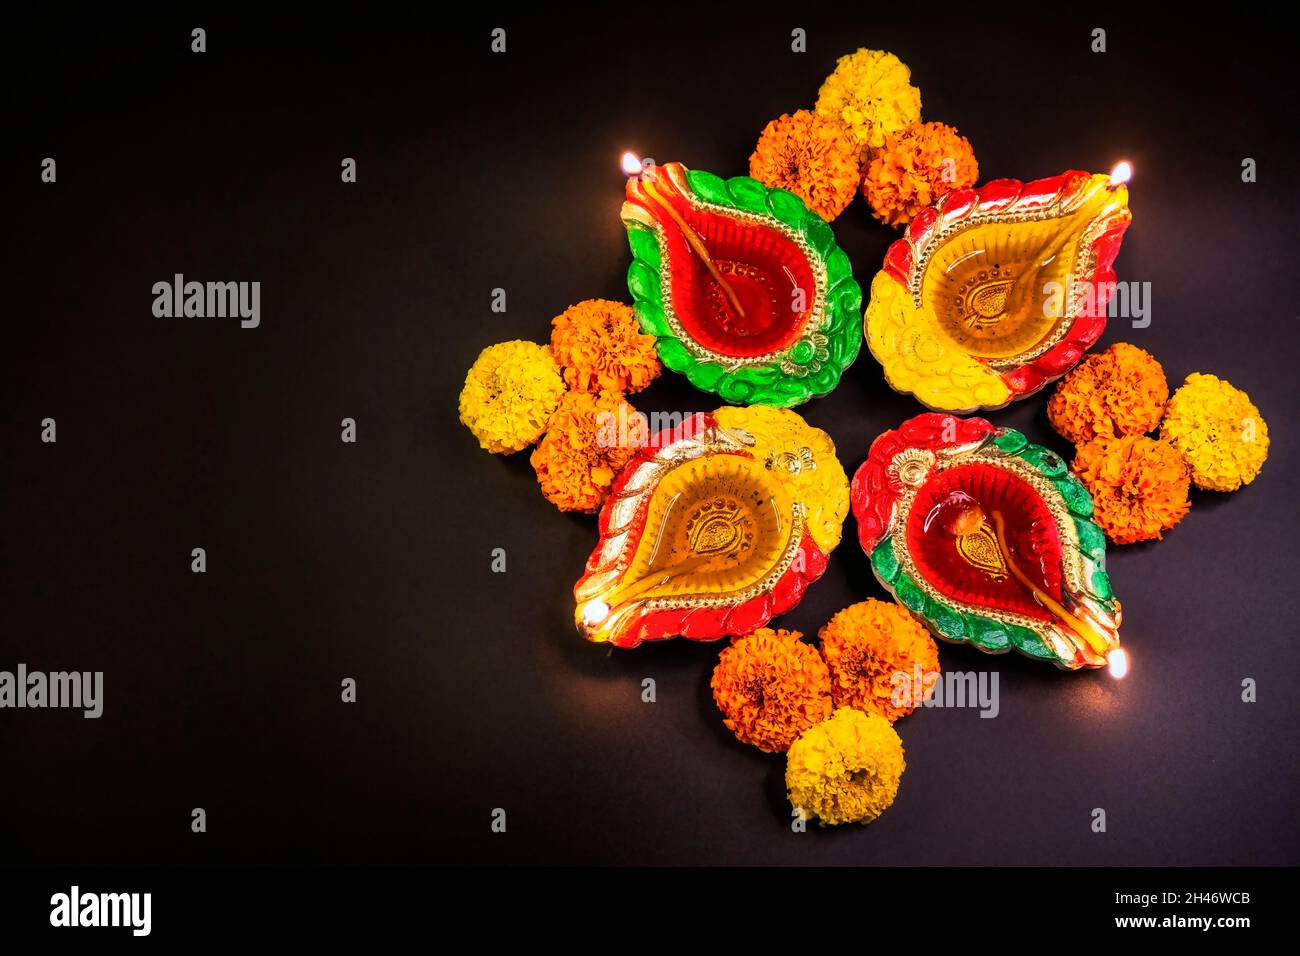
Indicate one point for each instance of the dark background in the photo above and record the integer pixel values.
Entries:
(372, 561)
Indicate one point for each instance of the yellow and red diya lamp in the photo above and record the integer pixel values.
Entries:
(988, 540)
(996, 291)
(713, 528)
(743, 286)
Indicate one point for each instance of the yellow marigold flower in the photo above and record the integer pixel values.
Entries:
(590, 439)
(1121, 391)
(770, 687)
(509, 395)
(871, 94)
(810, 156)
(602, 348)
(846, 769)
(865, 646)
(1138, 484)
(916, 167)
(1220, 431)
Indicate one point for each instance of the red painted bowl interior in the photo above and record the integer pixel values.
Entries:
(763, 268)
(1032, 538)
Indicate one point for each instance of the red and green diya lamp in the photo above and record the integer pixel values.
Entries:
(996, 291)
(988, 540)
(743, 286)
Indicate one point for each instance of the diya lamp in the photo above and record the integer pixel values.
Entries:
(743, 286)
(988, 540)
(996, 291)
(713, 528)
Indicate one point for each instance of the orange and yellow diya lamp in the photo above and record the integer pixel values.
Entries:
(996, 291)
(713, 529)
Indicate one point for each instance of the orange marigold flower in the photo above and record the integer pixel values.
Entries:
(1121, 391)
(602, 347)
(1138, 485)
(590, 439)
(916, 167)
(770, 687)
(866, 645)
(810, 156)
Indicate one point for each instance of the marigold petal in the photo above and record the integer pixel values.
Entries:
(867, 646)
(811, 156)
(510, 394)
(1219, 430)
(591, 438)
(602, 348)
(846, 769)
(770, 687)
(1139, 486)
(1121, 391)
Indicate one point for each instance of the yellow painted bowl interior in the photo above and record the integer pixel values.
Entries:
(715, 525)
(988, 285)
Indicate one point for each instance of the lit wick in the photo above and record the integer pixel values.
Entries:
(965, 519)
(594, 613)
(1117, 660)
(631, 166)
(631, 163)
(1121, 174)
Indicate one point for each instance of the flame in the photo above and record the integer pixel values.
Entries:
(594, 613)
(1121, 174)
(1117, 661)
(631, 163)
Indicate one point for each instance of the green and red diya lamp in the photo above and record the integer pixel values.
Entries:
(989, 540)
(743, 287)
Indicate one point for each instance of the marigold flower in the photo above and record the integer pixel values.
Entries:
(810, 156)
(770, 687)
(1121, 391)
(870, 92)
(1139, 485)
(1219, 430)
(509, 395)
(590, 439)
(602, 348)
(916, 167)
(845, 769)
(866, 646)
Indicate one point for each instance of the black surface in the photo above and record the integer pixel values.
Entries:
(372, 561)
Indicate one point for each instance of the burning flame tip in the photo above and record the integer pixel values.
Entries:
(594, 613)
(1117, 661)
(631, 163)
(1121, 174)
